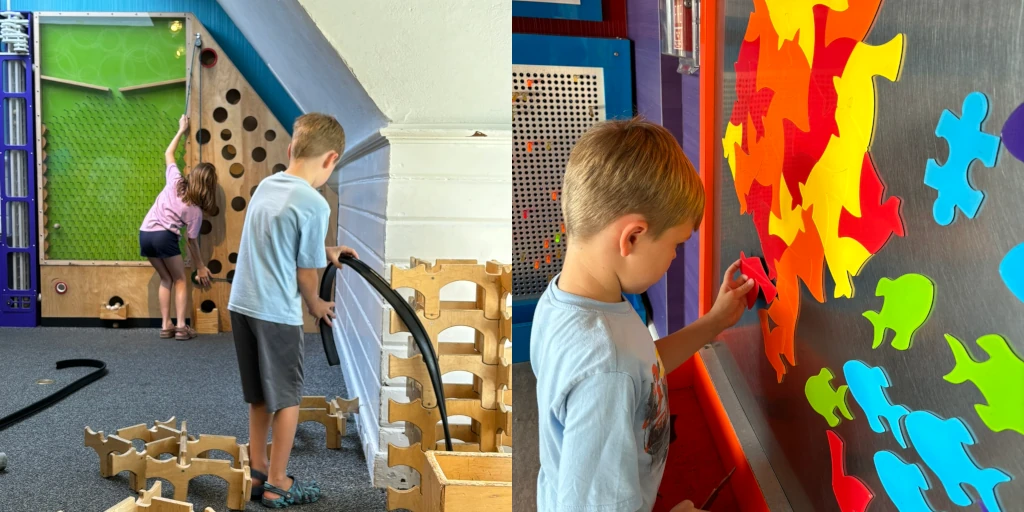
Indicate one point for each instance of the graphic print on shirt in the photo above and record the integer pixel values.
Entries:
(656, 425)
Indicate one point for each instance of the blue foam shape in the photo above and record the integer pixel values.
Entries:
(903, 482)
(1011, 270)
(966, 143)
(942, 447)
(867, 385)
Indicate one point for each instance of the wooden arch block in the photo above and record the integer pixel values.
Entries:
(428, 280)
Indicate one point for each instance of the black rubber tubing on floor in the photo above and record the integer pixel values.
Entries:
(409, 318)
(61, 394)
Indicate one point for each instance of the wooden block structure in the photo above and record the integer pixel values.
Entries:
(207, 322)
(245, 143)
(117, 454)
(331, 414)
(487, 402)
(151, 501)
(461, 481)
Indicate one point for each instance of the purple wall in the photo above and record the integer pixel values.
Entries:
(666, 97)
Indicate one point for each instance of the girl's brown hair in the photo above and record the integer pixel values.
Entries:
(199, 188)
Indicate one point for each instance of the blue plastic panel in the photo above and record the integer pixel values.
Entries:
(587, 10)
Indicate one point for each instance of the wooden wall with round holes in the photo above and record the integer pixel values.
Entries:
(248, 145)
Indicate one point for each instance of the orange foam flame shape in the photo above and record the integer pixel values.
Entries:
(797, 146)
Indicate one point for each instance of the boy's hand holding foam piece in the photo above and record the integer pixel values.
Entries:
(732, 298)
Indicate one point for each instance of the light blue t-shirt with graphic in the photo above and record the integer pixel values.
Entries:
(602, 406)
(285, 228)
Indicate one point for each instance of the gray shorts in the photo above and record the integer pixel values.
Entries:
(269, 360)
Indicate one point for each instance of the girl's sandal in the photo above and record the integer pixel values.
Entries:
(301, 493)
(185, 333)
(166, 334)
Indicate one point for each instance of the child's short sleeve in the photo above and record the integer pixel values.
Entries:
(598, 463)
(312, 234)
(172, 174)
(194, 220)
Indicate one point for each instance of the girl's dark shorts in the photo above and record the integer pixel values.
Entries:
(159, 244)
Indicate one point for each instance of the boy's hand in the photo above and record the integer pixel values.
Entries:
(322, 311)
(686, 506)
(183, 124)
(334, 254)
(732, 298)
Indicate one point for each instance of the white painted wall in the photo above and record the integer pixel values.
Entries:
(434, 62)
(418, 185)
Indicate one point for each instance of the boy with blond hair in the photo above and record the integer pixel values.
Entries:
(282, 248)
(630, 198)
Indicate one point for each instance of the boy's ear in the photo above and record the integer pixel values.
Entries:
(331, 160)
(633, 226)
(289, 151)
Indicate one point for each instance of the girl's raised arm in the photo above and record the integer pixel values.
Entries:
(182, 127)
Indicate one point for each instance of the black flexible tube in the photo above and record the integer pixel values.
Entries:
(61, 394)
(409, 318)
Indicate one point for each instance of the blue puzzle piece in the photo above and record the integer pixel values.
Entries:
(903, 483)
(966, 143)
(867, 385)
(1011, 270)
(942, 447)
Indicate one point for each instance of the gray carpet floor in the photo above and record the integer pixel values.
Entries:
(51, 470)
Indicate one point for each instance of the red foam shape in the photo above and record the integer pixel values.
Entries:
(878, 220)
(759, 205)
(753, 269)
(749, 99)
(851, 493)
(804, 149)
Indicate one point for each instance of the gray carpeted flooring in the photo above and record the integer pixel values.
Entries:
(49, 467)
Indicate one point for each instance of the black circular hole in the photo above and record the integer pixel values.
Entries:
(115, 300)
(220, 114)
(214, 266)
(238, 204)
(270, 135)
(206, 228)
(225, 134)
(230, 275)
(228, 152)
(215, 212)
(253, 191)
(208, 57)
(279, 167)
(207, 306)
(233, 257)
(259, 154)
(250, 123)
(233, 96)
(236, 170)
(203, 136)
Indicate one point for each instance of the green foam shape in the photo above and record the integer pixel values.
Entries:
(909, 300)
(824, 399)
(1000, 379)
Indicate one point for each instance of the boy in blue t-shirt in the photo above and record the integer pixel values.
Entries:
(281, 250)
(630, 198)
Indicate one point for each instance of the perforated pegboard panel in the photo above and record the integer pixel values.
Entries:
(551, 107)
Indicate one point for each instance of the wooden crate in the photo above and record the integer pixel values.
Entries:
(114, 314)
(207, 323)
(466, 481)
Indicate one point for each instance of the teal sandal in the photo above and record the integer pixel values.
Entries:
(301, 493)
(257, 490)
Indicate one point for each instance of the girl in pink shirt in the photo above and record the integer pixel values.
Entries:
(180, 205)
